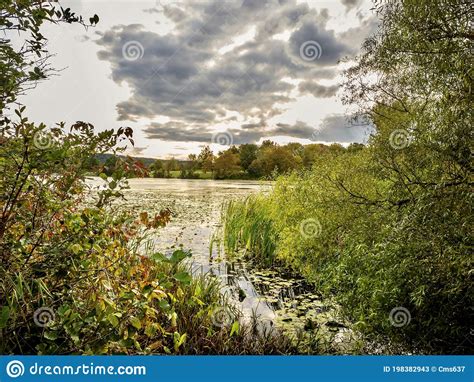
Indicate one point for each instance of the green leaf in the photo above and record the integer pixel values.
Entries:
(163, 304)
(235, 328)
(76, 248)
(178, 256)
(113, 320)
(183, 277)
(50, 335)
(4, 315)
(150, 331)
(159, 258)
(136, 322)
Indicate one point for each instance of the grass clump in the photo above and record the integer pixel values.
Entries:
(247, 225)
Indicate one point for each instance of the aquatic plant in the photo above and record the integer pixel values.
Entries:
(247, 226)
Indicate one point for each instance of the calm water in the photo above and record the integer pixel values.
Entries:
(196, 207)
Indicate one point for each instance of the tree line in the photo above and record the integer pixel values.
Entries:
(246, 161)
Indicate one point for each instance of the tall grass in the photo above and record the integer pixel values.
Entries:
(248, 226)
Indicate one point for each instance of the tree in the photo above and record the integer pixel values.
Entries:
(227, 165)
(248, 153)
(312, 152)
(170, 165)
(206, 159)
(23, 66)
(156, 169)
(273, 159)
(414, 80)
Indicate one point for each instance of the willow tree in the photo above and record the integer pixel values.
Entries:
(413, 79)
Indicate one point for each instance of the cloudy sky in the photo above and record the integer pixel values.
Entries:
(184, 74)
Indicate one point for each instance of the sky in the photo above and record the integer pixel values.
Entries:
(186, 74)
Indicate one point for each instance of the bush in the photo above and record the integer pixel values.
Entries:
(78, 274)
(338, 226)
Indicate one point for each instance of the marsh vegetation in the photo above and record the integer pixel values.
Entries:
(364, 249)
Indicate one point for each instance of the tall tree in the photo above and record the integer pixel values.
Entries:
(248, 153)
(206, 159)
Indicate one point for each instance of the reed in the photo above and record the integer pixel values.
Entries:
(247, 225)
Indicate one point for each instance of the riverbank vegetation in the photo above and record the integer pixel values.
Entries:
(387, 229)
(78, 274)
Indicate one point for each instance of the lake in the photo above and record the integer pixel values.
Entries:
(275, 299)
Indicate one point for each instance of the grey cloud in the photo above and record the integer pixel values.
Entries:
(137, 150)
(335, 128)
(297, 130)
(248, 133)
(177, 132)
(332, 50)
(317, 90)
(355, 36)
(349, 4)
(182, 76)
(338, 128)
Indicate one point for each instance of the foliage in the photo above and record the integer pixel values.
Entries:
(391, 224)
(77, 273)
(227, 165)
(87, 267)
(23, 67)
(247, 226)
